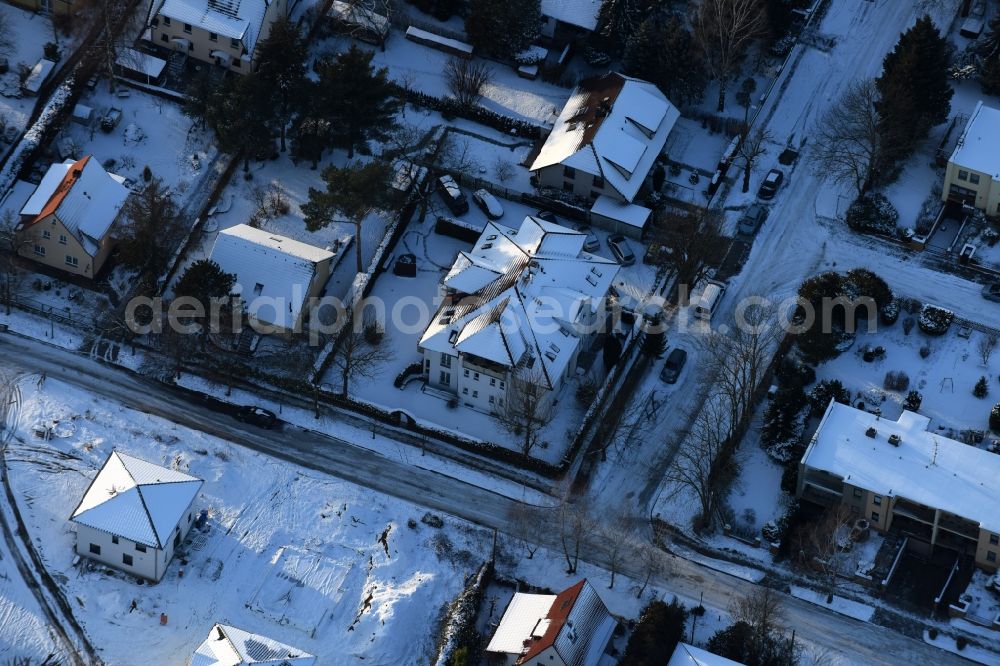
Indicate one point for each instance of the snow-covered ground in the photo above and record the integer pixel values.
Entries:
(32, 31)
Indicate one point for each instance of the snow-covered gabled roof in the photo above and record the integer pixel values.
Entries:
(977, 147)
(136, 500)
(581, 13)
(233, 19)
(631, 214)
(689, 655)
(230, 646)
(613, 126)
(925, 467)
(519, 295)
(268, 266)
(86, 199)
(523, 614)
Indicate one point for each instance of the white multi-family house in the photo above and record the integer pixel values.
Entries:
(134, 515)
(276, 276)
(902, 477)
(572, 628)
(223, 32)
(606, 139)
(689, 655)
(973, 173)
(523, 302)
(230, 646)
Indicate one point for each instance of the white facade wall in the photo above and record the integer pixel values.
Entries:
(151, 564)
(580, 183)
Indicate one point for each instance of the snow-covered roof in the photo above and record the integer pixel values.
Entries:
(230, 646)
(85, 198)
(520, 297)
(582, 13)
(137, 61)
(234, 19)
(689, 655)
(39, 73)
(977, 147)
(268, 266)
(136, 500)
(631, 214)
(613, 126)
(575, 622)
(926, 468)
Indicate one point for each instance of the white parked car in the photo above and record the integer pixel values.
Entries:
(488, 204)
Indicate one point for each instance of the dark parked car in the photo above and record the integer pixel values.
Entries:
(453, 195)
(620, 248)
(673, 366)
(991, 292)
(751, 220)
(257, 416)
(405, 265)
(772, 181)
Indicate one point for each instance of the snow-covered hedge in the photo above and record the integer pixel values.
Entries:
(935, 320)
(459, 631)
(33, 137)
(531, 55)
(873, 213)
(448, 106)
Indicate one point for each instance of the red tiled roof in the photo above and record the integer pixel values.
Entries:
(72, 174)
(557, 616)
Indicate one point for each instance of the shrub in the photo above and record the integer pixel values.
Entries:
(925, 351)
(961, 642)
(659, 630)
(862, 282)
(907, 325)
(932, 633)
(51, 50)
(783, 424)
(873, 213)
(374, 333)
(586, 391)
(995, 418)
(412, 370)
(792, 373)
(982, 388)
(826, 390)
(913, 401)
(934, 320)
(147, 173)
(890, 313)
(896, 380)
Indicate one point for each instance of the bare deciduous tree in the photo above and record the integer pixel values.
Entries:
(575, 528)
(693, 468)
(466, 80)
(653, 562)
(6, 36)
(762, 610)
(355, 356)
(616, 540)
(525, 523)
(690, 238)
(725, 30)
(526, 409)
(822, 544)
(12, 275)
(849, 143)
(986, 346)
(751, 147)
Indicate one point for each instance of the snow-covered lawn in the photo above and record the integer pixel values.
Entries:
(311, 561)
(945, 378)
(490, 156)
(31, 32)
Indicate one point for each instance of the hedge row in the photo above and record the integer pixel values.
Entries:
(449, 108)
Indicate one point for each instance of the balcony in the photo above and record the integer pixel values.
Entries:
(913, 511)
(820, 494)
(958, 526)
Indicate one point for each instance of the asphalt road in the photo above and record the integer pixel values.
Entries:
(852, 641)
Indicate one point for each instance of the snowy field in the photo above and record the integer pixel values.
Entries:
(33, 31)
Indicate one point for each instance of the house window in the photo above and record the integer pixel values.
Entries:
(501, 384)
(877, 500)
(235, 43)
(187, 28)
(493, 381)
(126, 559)
(974, 178)
(95, 549)
(465, 373)
(476, 376)
(991, 556)
(475, 394)
(163, 37)
(427, 365)
(166, 20)
(62, 239)
(465, 391)
(857, 492)
(994, 539)
(213, 37)
(569, 172)
(236, 63)
(567, 186)
(598, 182)
(445, 378)
(492, 399)
(875, 516)
(46, 234)
(963, 175)
(40, 250)
(139, 547)
(258, 289)
(445, 361)
(72, 261)
(114, 539)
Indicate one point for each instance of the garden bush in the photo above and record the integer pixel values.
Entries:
(982, 388)
(995, 418)
(826, 390)
(961, 642)
(873, 213)
(934, 320)
(913, 401)
(896, 380)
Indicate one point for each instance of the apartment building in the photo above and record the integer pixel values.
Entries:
(973, 173)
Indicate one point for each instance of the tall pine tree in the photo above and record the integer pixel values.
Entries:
(662, 52)
(503, 28)
(989, 71)
(282, 69)
(914, 91)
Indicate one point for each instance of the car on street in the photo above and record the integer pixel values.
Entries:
(488, 204)
(673, 365)
(991, 292)
(590, 243)
(620, 248)
(453, 195)
(751, 219)
(772, 181)
(257, 416)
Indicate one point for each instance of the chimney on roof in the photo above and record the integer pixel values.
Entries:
(895, 439)
(77, 172)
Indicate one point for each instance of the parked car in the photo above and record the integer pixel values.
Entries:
(591, 243)
(620, 248)
(709, 301)
(453, 195)
(547, 216)
(488, 204)
(673, 366)
(257, 416)
(991, 292)
(772, 181)
(751, 219)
